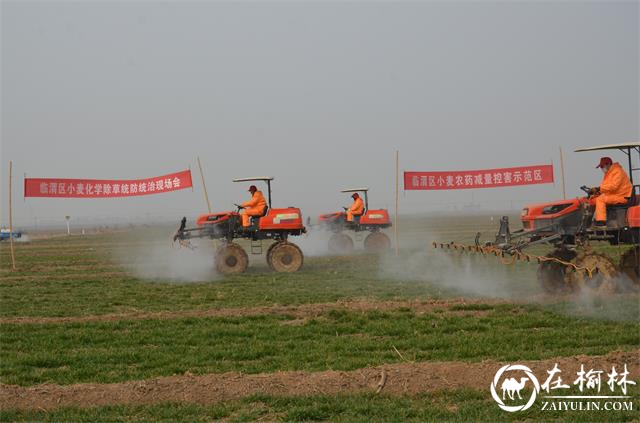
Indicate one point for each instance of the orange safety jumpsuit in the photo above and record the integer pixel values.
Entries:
(253, 207)
(616, 188)
(356, 209)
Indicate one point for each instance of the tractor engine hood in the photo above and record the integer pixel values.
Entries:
(551, 210)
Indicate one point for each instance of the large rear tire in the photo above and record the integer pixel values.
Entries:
(377, 242)
(231, 258)
(603, 278)
(340, 243)
(268, 255)
(285, 257)
(552, 276)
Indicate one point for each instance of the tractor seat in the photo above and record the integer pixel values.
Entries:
(254, 219)
(631, 201)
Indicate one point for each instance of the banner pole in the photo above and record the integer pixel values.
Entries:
(13, 257)
(395, 226)
(204, 186)
(564, 191)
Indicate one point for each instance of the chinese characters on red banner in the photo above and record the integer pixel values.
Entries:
(99, 188)
(488, 178)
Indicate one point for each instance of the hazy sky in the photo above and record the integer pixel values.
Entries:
(319, 95)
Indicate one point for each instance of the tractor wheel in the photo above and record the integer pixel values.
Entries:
(269, 251)
(603, 277)
(285, 257)
(552, 275)
(377, 242)
(340, 243)
(630, 265)
(231, 258)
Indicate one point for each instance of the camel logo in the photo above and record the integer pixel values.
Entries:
(511, 387)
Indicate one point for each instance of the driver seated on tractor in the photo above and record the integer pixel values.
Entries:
(615, 189)
(254, 207)
(356, 209)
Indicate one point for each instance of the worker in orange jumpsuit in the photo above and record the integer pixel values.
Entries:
(615, 189)
(253, 207)
(356, 209)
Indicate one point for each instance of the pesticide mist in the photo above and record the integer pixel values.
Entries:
(463, 274)
(467, 274)
(314, 243)
(149, 254)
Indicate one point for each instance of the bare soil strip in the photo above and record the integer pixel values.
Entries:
(401, 379)
(298, 311)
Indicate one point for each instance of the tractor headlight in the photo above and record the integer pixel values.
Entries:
(525, 212)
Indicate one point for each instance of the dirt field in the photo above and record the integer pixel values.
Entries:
(401, 379)
(120, 326)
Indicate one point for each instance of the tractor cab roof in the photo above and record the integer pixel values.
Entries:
(355, 190)
(626, 148)
(255, 178)
(623, 146)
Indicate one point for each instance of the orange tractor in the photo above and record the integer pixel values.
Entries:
(276, 224)
(372, 221)
(568, 226)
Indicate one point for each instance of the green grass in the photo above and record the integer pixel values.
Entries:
(322, 280)
(92, 275)
(452, 405)
(86, 275)
(339, 340)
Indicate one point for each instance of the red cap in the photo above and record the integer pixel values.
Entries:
(605, 161)
(355, 195)
(253, 188)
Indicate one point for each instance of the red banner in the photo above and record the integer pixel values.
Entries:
(488, 178)
(105, 188)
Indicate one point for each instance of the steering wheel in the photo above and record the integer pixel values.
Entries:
(591, 192)
(238, 206)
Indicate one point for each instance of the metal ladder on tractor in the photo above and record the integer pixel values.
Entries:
(256, 247)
